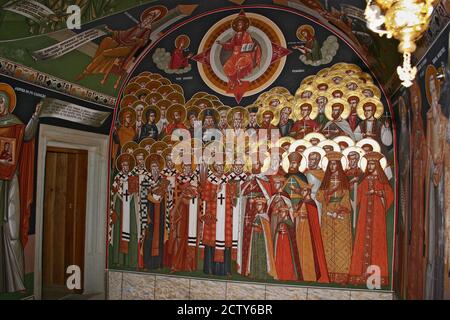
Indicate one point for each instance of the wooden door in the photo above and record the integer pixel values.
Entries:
(64, 219)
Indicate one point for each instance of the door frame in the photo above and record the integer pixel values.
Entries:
(97, 146)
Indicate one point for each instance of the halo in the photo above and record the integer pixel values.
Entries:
(125, 110)
(131, 88)
(190, 110)
(358, 150)
(304, 88)
(162, 12)
(335, 146)
(284, 140)
(182, 37)
(172, 109)
(153, 96)
(128, 100)
(376, 92)
(325, 161)
(239, 17)
(176, 97)
(152, 158)
(379, 108)
(275, 112)
(234, 110)
(298, 143)
(146, 142)
(157, 113)
(204, 101)
(124, 157)
(177, 88)
(305, 27)
(431, 71)
(158, 147)
(10, 95)
(345, 139)
(308, 80)
(375, 145)
(142, 81)
(153, 85)
(140, 150)
(215, 113)
(165, 90)
(298, 105)
(129, 145)
(199, 95)
(315, 135)
(363, 163)
(329, 107)
(164, 103)
(285, 163)
(142, 92)
(314, 149)
(272, 99)
(281, 90)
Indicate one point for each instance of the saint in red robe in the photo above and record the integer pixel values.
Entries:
(302, 127)
(171, 127)
(370, 246)
(246, 55)
(178, 60)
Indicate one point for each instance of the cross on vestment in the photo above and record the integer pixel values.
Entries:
(126, 194)
(291, 183)
(221, 198)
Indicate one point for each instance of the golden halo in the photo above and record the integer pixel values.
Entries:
(204, 103)
(128, 100)
(432, 72)
(186, 39)
(325, 162)
(275, 113)
(298, 143)
(303, 89)
(372, 88)
(282, 141)
(215, 114)
(314, 135)
(329, 107)
(336, 77)
(129, 145)
(285, 163)
(164, 104)
(274, 101)
(165, 90)
(240, 17)
(125, 157)
(165, 81)
(199, 95)
(349, 141)
(158, 158)
(153, 98)
(353, 80)
(141, 94)
(342, 90)
(125, 110)
(147, 143)
(302, 102)
(10, 96)
(312, 150)
(140, 151)
(363, 163)
(161, 11)
(379, 108)
(158, 147)
(177, 88)
(321, 84)
(155, 110)
(154, 76)
(308, 80)
(281, 90)
(358, 150)
(235, 110)
(375, 145)
(142, 80)
(331, 143)
(131, 88)
(153, 85)
(192, 110)
(176, 108)
(323, 72)
(306, 27)
(176, 97)
(354, 94)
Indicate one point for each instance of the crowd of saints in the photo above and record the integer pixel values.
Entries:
(319, 216)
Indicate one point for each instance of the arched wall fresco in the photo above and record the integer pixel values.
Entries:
(324, 216)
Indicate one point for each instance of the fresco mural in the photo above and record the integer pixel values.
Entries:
(22, 109)
(310, 196)
(424, 172)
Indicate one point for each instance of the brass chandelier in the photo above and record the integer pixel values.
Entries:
(406, 21)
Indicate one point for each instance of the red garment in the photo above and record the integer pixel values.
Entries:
(24, 159)
(209, 195)
(284, 262)
(370, 246)
(353, 120)
(178, 60)
(241, 64)
(308, 126)
(171, 127)
(316, 239)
